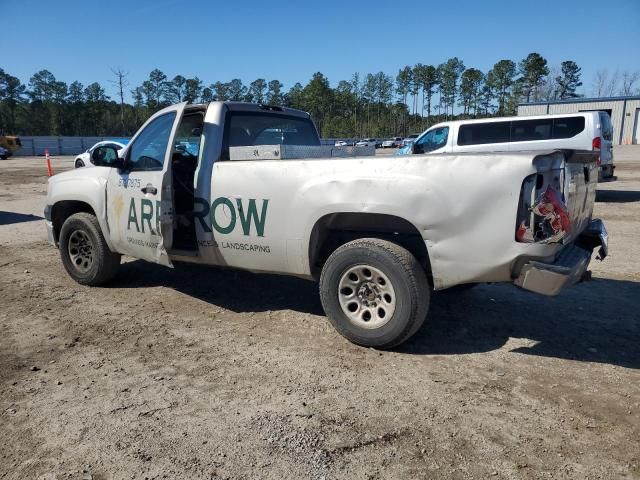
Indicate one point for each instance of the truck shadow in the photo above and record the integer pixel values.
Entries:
(9, 218)
(597, 321)
(617, 196)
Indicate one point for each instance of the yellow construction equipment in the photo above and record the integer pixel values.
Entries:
(10, 143)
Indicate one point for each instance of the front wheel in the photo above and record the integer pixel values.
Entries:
(85, 254)
(79, 163)
(374, 292)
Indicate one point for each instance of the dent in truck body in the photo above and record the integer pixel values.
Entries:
(466, 221)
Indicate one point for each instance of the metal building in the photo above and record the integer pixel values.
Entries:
(624, 113)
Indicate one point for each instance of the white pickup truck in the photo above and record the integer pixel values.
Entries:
(379, 233)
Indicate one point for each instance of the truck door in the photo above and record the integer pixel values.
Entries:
(139, 197)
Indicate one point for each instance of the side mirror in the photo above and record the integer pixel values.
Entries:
(105, 156)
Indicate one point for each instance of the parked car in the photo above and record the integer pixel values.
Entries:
(394, 142)
(341, 143)
(377, 238)
(4, 153)
(589, 131)
(367, 142)
(410, 139)
(84, 159)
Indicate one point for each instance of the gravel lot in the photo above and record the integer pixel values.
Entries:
(198, 373)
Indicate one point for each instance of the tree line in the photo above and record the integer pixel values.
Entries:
(371, 105)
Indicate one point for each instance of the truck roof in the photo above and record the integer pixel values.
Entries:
(254, 107)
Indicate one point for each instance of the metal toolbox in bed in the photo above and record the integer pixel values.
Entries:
(290, 152)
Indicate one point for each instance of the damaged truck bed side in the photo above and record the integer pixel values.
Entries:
(215, 184)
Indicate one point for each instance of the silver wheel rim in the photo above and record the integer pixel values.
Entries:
(80, 250)
(366, 296)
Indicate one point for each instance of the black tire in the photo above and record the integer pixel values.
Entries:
(3, 157)
(103, 265)
(408, 281)
(79, 163)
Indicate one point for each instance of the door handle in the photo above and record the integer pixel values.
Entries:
(149, 189)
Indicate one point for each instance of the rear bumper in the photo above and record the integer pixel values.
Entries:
(569, 266)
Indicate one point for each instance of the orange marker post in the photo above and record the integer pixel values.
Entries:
(49, 169)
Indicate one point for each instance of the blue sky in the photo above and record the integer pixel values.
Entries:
(221, 40)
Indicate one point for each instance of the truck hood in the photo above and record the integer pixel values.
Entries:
(77, 174)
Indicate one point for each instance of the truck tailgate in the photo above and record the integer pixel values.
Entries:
(580, 184)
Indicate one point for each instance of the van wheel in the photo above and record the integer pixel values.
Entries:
(85, 254)
(374, 292)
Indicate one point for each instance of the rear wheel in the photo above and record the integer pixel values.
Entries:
(374, 292)
(85, 254)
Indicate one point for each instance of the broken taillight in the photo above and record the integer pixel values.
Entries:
(545, 218)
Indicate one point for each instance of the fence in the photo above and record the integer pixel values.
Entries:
(32, 146)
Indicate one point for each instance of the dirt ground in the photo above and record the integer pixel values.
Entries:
(198, 373)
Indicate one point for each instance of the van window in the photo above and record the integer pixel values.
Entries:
(567, 127)
(432, 140)
(482, 133)
(531, 130)
(605, 126)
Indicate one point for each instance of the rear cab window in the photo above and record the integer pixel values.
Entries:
(244, 129)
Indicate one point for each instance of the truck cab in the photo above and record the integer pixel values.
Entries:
(161, 204)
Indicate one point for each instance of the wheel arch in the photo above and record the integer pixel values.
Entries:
(335, 229)
(63, 209)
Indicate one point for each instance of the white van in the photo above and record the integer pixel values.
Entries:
(575, 131)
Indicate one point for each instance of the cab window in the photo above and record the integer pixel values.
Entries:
(148, 151)
(189, 135)
(432, 140)
(249, 128)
